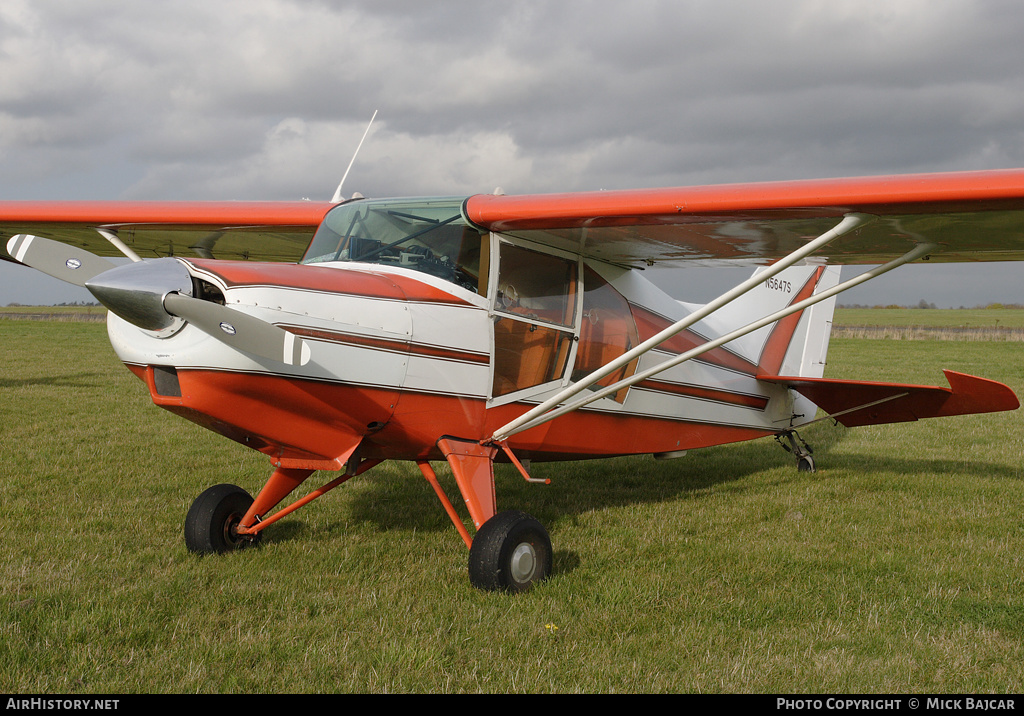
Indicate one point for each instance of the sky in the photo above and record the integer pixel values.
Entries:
(268, 99)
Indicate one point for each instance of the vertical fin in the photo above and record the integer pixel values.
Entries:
(794, 345)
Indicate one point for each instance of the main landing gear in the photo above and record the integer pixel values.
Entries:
(510, 552)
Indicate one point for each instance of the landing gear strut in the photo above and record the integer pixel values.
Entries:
(800, 449)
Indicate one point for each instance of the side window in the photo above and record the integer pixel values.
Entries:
(536, 309)
(607, 331)
(536, 286)
(526, 355)
(473, 251)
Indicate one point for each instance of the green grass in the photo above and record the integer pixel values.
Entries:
(897, 567)
(55, 310)
(938, 317)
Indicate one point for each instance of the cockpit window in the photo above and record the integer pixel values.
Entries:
(428, 235)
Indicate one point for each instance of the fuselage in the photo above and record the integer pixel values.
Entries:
(444, 330)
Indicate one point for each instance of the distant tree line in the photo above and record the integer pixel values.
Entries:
(925, 304)
(14, 304)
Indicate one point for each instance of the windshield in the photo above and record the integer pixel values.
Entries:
(428, 235)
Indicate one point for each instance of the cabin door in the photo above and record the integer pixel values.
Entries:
(534, 305)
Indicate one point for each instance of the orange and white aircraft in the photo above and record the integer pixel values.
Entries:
(333, 336)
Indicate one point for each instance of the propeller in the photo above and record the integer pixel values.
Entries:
(68, 263)
(155, 294)
(152, 294)
(239, 330)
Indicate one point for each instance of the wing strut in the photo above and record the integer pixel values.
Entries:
(918, 252)
(849, 223)
(118, 244)
(544, 412)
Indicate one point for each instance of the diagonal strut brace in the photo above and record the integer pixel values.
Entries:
(539, 416)
(530, 418)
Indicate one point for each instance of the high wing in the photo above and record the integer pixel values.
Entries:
(972, 216)
(262, 231)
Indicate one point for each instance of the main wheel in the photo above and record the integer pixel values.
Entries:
(212, 521)
(510, 552)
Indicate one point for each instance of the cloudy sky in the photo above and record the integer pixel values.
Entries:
(267, 99)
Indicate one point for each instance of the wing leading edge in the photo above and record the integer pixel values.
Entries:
(973, 216)
(263, 231)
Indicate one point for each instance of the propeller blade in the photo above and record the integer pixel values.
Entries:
(239, 330)
(68, 263)
(155, 294)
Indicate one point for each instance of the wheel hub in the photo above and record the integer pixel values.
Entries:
(523, 563)
(231, 535)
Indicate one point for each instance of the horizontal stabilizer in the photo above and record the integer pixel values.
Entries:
(855, 403)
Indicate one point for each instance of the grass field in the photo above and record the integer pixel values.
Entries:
(897, 567)
(938, 317)
(71, 313)
(970, 324)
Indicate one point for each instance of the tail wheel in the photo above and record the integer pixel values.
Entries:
(212, 521)
(510, 552)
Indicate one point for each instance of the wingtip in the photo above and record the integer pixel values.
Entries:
(972, 394)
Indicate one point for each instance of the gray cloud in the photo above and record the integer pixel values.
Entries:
(266, 99)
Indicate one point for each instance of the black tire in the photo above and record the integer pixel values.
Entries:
(511, 552)
(211, 521)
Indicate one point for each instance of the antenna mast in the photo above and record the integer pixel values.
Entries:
(337, 192)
